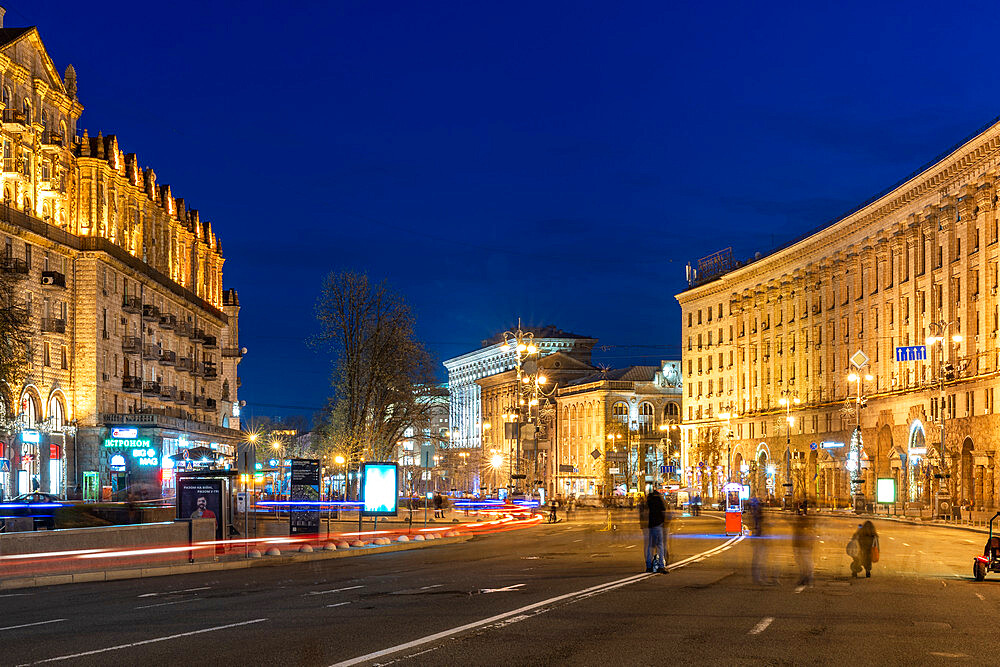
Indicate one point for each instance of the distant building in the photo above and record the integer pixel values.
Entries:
(423, 443)
(135, 342)
(618, 429)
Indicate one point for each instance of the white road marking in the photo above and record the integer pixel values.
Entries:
(586, 592)
(148, 641)
(186, 590)
(968, 541)
(333, 590)
(164, 604)
(631, 546)
(579, 540)
(799, 589)
(505, 589)
(760, 627)
(15, 595)
(28, 625)
(339, 604)
(905, 544)
(980, 596)
(948, 655)
(892, 538)
(424, 588)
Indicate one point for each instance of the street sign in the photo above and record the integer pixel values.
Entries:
(812, 446)
(565, 467)
(612, 471)
(859, 359)
(4, 465)
(831, 445)
(596, 453)
(911, 353)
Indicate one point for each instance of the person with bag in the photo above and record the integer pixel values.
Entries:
(863, 549)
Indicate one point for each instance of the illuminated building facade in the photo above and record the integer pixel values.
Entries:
(917, 262)
(618, 429)
(131, 326)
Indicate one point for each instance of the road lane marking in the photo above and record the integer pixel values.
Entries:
(424, 588)
(15, 595)
(760, 627)
(29, 625)
(631, 546)
(968, 541)
(579, 540)
(505, 589)
(339, 604)
(147, 641)
(586, 592)
(980, 596)
(892, 538)
(164, 604)
(799, 589)
(185, 590)
(333, 590)
(905, 544)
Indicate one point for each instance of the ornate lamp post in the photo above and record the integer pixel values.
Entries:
(854, 455)
(786, 401)
(946, 371)
(728, 412)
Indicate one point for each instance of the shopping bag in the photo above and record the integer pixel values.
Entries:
(875, 552)
(853, 549)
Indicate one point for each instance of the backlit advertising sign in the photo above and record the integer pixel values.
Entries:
(379, 488)
(885, 490)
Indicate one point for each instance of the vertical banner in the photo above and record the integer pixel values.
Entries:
(304, 519)
(201, 499)
(379, 488)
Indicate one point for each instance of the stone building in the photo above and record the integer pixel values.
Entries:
(134, 340)
(481, 386)
(917, 262)
(617, 429)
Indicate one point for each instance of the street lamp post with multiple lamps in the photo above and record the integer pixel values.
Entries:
(854, 455)
(946, 371)
(786, 401)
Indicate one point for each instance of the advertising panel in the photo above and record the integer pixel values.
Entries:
(885, 490)
(201, 499)
(379, 488)
(304, 519)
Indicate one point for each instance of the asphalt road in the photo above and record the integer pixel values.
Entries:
(552, 594)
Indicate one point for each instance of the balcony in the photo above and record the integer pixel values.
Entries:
(197, 370)
(183, 329)
(14, 266)
(150, 353)
(14, 120)
(168, 358)
(150, 387)
(132, 304)
(150, 313)
(210, 342)
(232, 352)
(53, 279)
(53, 141)
(185, 364)
(182, 398)
(132, 385)
(168, 321)
(209, 371)
(131, 345)
(167, 393)
(197, 335)
(53, 325)
(211, 404)
(198, 402)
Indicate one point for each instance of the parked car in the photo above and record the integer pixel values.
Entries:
(39, 506)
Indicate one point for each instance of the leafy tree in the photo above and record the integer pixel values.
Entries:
(15, 338)
(381, 373)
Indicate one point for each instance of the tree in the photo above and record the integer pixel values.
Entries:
(381, 373)
(15, 338)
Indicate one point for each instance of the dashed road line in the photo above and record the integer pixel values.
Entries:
(760, 627)
(165, 604)
(339, 604)
(334, 590)
(799, 589)
(980, 596)
(183, 590)
(30, 625)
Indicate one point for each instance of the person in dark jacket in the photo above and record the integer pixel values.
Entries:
(867, 538)
(656, 550)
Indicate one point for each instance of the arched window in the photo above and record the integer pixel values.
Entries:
(57, 413)
(620, 411)
(645, 418)
(6, 97)
(29, 410)
(671, 410)
(26, 107)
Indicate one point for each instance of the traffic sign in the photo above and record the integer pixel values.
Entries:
(812, 446)
(911, 353)
(859, 359)
(4, 465)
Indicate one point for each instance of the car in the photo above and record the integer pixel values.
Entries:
(41, 507)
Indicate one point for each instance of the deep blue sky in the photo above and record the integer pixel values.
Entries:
(561, 162)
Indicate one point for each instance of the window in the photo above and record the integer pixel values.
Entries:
(65, 358)
(46, 361)
(646, 418)
(620, 412)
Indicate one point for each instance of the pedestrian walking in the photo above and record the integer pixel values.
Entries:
(656, 546)
(803, 542)
(438, 502)
(760, 570)
(863, 549)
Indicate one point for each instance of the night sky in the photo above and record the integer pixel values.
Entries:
(560, 162)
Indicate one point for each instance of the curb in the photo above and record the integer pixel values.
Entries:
(192, 568)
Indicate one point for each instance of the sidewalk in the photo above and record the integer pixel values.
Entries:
(849, 514)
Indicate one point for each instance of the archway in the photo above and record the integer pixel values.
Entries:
(760, 478)
(915, 467)
(883, 449)
(737, 471)
(967, 493)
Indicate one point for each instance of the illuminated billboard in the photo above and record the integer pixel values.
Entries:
(885, 490)
(379, 488)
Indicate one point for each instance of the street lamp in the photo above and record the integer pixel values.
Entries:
(666, 428)
(946, 371)
(787, 401)
(728, 412)
(854, 456)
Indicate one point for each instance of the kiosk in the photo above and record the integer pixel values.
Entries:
(732, 493)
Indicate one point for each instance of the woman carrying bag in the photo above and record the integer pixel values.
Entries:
(863, 549)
